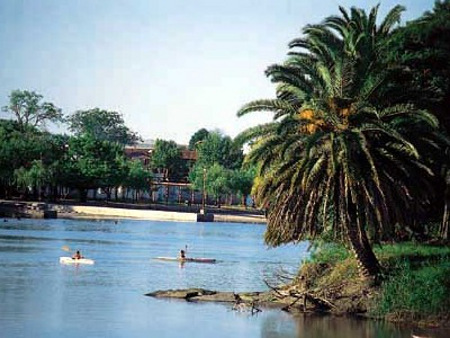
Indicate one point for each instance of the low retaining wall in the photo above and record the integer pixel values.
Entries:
(152, 215)
(44, 210)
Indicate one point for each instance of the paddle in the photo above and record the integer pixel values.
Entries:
(67, 249)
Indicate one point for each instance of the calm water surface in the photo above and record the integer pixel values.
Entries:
(41, 298)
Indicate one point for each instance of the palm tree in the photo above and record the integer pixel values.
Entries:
(335, 160)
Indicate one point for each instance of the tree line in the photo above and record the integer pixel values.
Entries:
(34, 161)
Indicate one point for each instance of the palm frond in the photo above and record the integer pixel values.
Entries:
(390, 20)
(265, 105)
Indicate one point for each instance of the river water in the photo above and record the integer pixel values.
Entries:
(39, 297)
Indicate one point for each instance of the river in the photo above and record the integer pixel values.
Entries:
(39, 297)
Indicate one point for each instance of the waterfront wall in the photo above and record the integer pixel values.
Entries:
(189, 214)
(153, 215)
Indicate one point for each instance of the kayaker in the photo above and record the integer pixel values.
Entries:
(77, 255)
(182, 254)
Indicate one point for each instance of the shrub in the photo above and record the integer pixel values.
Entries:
(420, 291)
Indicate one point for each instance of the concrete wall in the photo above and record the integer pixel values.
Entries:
(154, 215)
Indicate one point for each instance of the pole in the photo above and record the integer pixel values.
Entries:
(204, 191)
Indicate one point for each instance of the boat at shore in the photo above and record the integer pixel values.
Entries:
(70, 260)
(187, 259)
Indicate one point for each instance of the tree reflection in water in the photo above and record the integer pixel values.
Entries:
(325, 326)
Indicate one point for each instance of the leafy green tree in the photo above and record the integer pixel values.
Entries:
(218, 155)
(28, 109)
(335, 161)
(217, 181)
(166, 156)
(138, 178)
(421, 50)
(34, 178)
(241, 182)
(8, 156)
(216, 148)
(199, 136)
(19, 147)
(214, 180)
(102, 125)
(90, 164)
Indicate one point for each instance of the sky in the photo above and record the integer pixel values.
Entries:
(170, 67)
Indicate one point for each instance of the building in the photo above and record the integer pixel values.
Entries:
(161, 189)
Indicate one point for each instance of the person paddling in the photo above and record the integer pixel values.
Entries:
(77, 255)
(182, 254)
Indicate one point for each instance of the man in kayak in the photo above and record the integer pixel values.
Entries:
(182, 254)
(77, 255)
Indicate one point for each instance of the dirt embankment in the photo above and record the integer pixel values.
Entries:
(317, 289)
(352, 298)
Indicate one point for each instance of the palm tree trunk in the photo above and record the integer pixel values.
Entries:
(368, 265)
(444, 230)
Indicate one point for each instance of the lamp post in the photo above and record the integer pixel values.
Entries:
(204, 192)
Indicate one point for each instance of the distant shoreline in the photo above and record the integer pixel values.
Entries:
(27, 209)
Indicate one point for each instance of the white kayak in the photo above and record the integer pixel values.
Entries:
(70, 260)
(187, 259)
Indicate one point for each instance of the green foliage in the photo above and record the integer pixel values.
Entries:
(102, 125)
(419, 291)
(417, 283)
(214, 179)
(197, 177)
(421, 50)
(329, 253)
(35, 176)
(220, 160)
(217, 180)
(91, 163)
(199, 136)
(18, 149)
(216, 148)
(28, 109)
(138, 176)
(241, 181)
(336, 159)
(167, 156)
(410, 251)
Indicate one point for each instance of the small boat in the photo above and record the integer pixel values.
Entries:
(70, 260)
(187, 259)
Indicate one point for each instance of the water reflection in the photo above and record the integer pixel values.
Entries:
(343, 327)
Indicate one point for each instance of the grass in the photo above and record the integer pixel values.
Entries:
(418, 291)
(329, 263)
(416, 283)
(329, 253)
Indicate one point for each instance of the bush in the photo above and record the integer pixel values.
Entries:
(421, 291)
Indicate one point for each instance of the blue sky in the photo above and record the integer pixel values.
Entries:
(170, 67)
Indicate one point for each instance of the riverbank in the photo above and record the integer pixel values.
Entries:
(153, 212)
(415, 290)
(415, 287)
